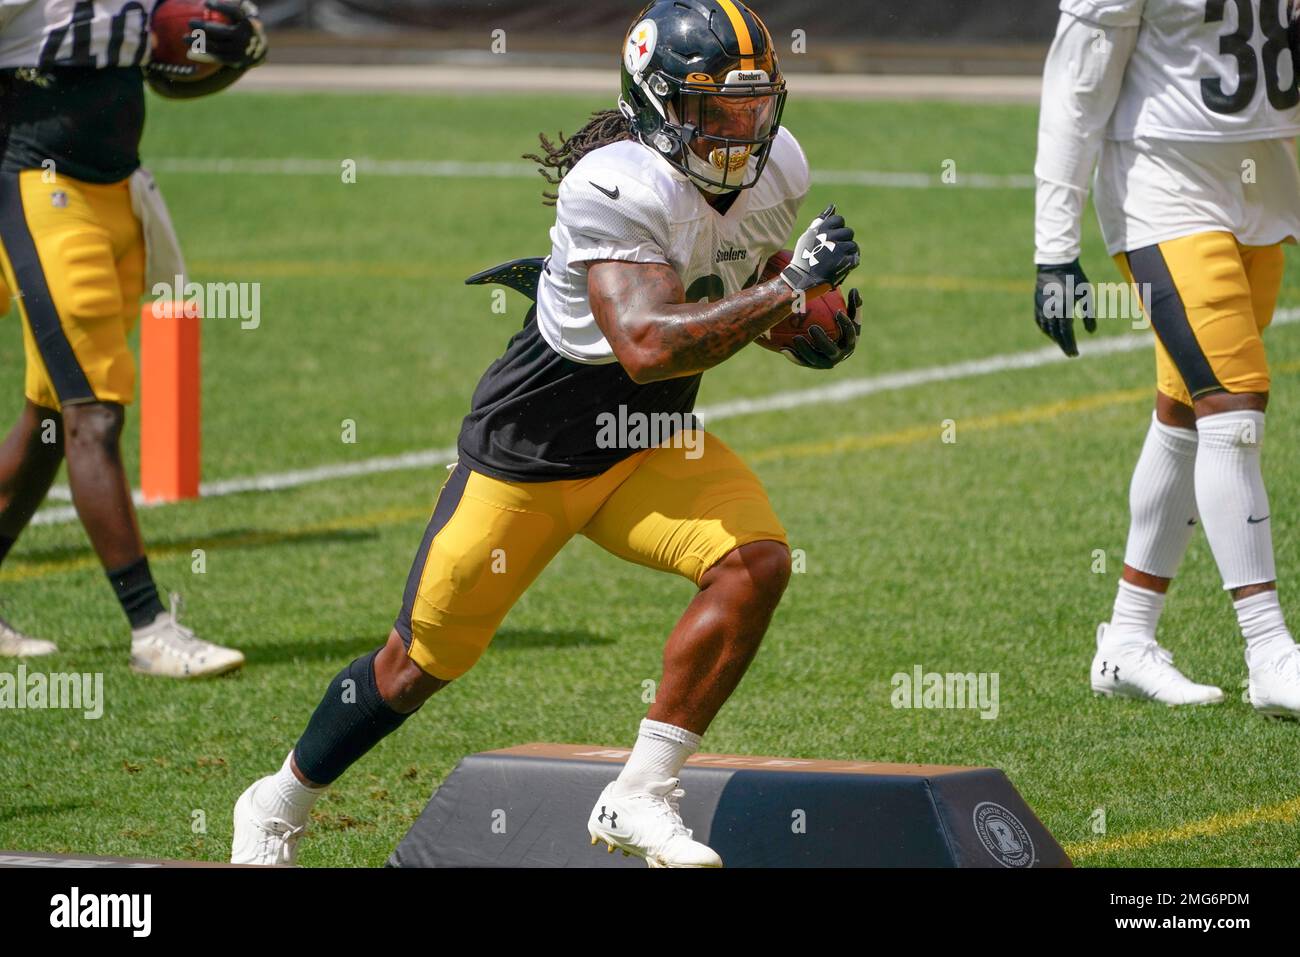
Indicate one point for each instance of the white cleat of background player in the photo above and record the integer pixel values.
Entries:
(1274, 686)
(1143, 669)
(166, 648)
(14, 644)
(648, 823)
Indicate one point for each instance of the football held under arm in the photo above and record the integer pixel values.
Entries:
(1081, 84)
(655, 334)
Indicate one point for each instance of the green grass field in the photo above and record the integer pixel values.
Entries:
(969, 556)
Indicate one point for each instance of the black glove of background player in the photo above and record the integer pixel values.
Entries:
(1057, 294)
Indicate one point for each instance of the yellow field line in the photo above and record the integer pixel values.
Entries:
(922, 433)
(1212, 826)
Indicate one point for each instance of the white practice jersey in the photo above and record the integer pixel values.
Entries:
(624, 202)
(1221, 70)
(1186, 108)
(82, 33)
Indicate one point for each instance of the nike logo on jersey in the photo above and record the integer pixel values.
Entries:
(1252, 520)
(612, 194)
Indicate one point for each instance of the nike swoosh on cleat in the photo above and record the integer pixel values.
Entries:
(1252, 520)
(612, 194)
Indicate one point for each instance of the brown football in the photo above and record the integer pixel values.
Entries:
(169, 39)
(820, 312)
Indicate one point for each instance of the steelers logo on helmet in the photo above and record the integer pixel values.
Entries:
(640, 46)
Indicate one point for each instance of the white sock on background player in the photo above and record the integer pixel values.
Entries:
(1162, 519)
(1162, 501)
(1231, 497)
(659, 753)
(1135, 616)
(1263, 627)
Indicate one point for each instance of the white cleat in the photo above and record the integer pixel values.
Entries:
(1275, 685)
(1144, 670)
(14, 644)
(168, 649)
(261, 838)
(648, 824)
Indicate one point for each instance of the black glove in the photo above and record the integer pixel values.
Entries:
(824, 255)
(817, 351)
(1059, 291)
(239, 44)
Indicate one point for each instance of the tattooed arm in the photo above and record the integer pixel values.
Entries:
(656, 335)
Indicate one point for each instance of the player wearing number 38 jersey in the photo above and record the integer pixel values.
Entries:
(1188, 109)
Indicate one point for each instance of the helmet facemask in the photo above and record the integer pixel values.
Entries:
(719, 134)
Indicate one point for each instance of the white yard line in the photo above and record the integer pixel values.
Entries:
(488, 76)
(457, 169)
(777, 402)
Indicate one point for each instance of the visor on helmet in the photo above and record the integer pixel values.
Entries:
(724, 125)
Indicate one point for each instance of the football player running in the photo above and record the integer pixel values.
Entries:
(78, 219)
(1189, 109)
(667, 211)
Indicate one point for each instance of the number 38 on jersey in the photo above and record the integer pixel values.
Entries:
(1232, 64)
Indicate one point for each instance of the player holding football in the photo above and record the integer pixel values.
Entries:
(667, 211)
(1189, 108)
(73, 253)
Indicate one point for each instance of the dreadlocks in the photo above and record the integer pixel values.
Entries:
(604, 127)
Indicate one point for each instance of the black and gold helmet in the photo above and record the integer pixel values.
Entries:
(702, 88)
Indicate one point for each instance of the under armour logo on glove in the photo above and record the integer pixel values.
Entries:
(824, 255)
(810, 255)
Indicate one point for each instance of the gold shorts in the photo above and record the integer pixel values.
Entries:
(73, 255)
(1211, 298)
(489, 538)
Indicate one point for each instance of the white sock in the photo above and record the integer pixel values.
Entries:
(659, 753)
(1136, 615)
(1162, 501)
(1263, 627)
(1231, 497)
(283, 795)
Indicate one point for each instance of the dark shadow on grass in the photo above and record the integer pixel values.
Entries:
(342, 650)
(531, 639)
(39, 810)
(159, 546)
